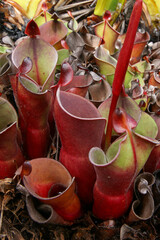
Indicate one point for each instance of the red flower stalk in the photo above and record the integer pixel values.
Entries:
(122, 64)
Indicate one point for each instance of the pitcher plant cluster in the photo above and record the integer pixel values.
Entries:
(106, 137)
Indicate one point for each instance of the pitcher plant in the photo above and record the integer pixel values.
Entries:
(80, 127)
(49, 181)
(11, 156)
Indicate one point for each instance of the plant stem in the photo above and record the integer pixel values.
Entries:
(122, 64)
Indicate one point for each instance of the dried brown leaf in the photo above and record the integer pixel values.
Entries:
(143, 207)
(6, 184)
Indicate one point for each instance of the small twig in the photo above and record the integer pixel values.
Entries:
(92, 4)
(73, 5)
(67, 2)
(76, 13)
(59, 3)
(85, 13)
(1, 217)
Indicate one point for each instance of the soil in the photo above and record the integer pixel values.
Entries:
(16, 224)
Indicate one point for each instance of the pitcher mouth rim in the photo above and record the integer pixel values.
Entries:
(83, 99)
(34, 194)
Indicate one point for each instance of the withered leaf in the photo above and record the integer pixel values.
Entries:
(143, 207)
(99, 91)
(75, 43)
(6, 184)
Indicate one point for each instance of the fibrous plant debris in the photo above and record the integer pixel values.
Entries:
(16, 223)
